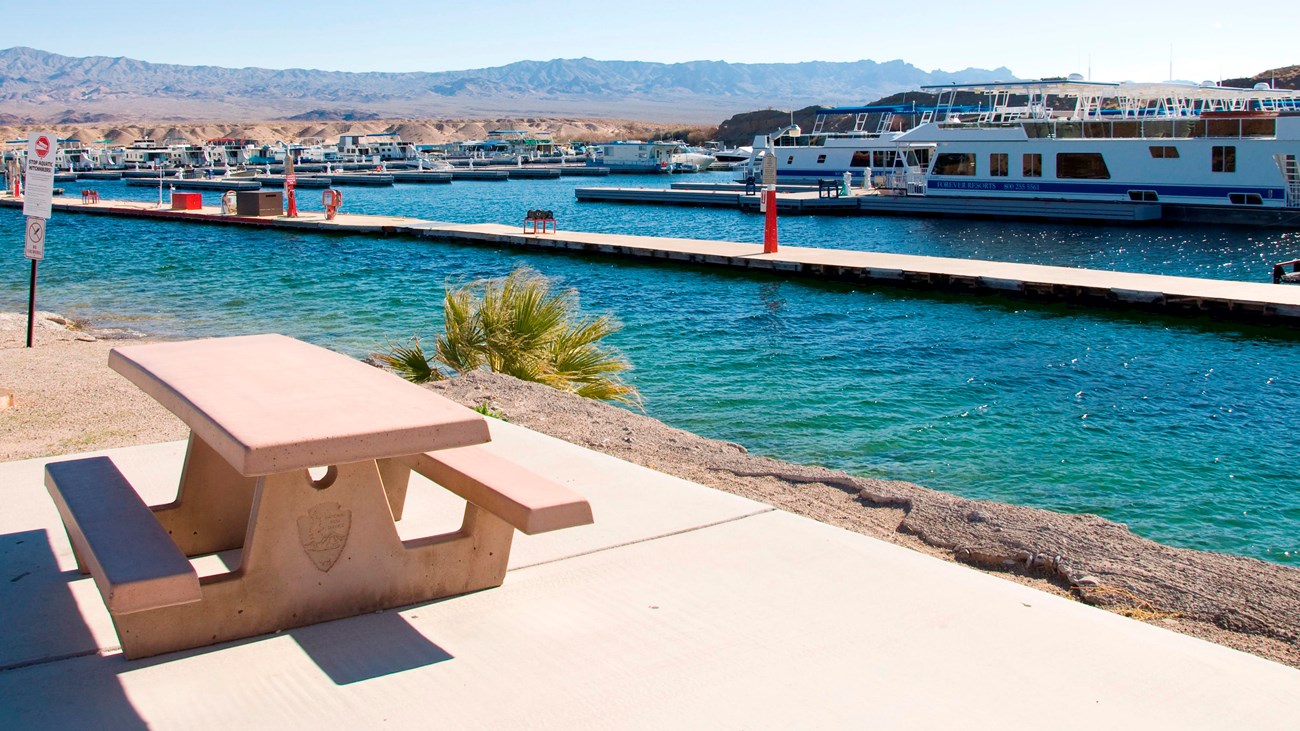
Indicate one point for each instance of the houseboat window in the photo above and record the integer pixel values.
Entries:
(1164, 151)
(880, 159)
(1129, 129)
(954, 163)
(1143, 196)
(1259, 127)
(1223, 159)
(1031, 166)
(1095, 130)
(1158, 129)
(821, 159)
(1086, 165)
(998, 164)
(1223, 128)
(919, 157)
(1069, 130)
(1038, 130)
(789, 160)
(1245, 199)
(861, 159)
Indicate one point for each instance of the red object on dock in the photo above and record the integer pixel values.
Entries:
(769, 225)
(186, 201)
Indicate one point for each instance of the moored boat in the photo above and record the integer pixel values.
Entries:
(1070, 140)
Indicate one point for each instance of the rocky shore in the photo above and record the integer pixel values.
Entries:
(67, 400)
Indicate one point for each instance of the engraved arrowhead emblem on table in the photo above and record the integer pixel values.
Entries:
(323, 533)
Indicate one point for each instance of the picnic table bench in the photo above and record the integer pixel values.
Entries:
(265, 411)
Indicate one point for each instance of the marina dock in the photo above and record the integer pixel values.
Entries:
(804, 200)
(1219, 299)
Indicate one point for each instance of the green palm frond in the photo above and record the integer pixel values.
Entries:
(409, 362)
(520, 326)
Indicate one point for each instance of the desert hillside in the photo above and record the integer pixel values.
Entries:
(420, 131)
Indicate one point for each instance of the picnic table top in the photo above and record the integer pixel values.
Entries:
(270, 403)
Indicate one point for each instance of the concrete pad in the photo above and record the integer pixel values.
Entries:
(771, 621)
(56, 612)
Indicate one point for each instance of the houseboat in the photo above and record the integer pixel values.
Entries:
(635, 156)
(1069, 139)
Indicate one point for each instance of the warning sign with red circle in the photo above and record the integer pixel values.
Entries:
(42, 148)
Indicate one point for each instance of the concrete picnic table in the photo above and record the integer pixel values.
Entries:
(265, 413)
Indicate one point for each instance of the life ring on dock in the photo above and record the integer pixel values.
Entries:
(332, 200)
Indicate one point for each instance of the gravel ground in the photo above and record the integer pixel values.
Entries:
(68, 400)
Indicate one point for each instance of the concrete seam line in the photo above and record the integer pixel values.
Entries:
(647, 539)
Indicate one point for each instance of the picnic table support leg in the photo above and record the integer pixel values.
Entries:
(321, 550)
(396, 476)
(212, 507)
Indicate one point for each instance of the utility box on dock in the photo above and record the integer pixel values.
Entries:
(187, 201)
(259, 203)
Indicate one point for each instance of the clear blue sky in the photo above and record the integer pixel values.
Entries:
(1117, 40)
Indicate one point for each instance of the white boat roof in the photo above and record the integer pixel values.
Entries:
(1110, 89)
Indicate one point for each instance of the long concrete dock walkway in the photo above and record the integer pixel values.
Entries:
(1221, 299)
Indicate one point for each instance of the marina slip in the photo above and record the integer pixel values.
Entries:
(1173, 425)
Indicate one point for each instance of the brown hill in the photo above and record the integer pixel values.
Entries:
(1287, 77)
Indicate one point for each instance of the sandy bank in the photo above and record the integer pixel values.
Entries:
(69, 401)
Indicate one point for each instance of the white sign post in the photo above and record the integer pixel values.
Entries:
(41, 150)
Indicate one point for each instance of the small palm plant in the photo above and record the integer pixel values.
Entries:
(520, 327)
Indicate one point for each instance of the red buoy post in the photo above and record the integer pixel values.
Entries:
(769, 223)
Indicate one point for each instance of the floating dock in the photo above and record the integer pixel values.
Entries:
(480, 174)
(421, 176)
(100, 175)
(803, 200)
(534, 172)
(1220, 299)
(197, 183)
(371, 179)
(304, 181)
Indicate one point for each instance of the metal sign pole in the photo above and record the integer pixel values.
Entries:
(31, 306)
(41, 151)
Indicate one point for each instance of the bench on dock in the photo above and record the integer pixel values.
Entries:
(539, 221)
(828, 188)
(524, 499)
(117, 539)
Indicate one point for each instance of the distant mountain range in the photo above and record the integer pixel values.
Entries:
(36, 86)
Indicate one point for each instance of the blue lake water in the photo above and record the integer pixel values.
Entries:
(1183, 429)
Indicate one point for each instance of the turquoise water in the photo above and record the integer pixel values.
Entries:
(1179, 428)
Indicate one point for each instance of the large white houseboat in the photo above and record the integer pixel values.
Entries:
(1070, 139)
